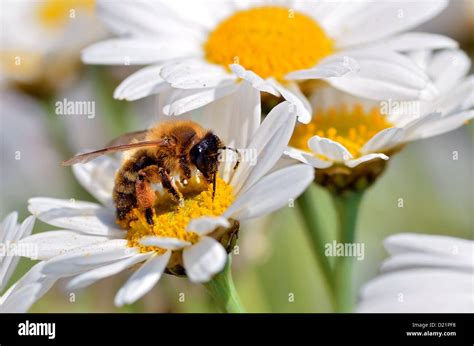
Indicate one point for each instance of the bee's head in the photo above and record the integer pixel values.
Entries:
(205, 155)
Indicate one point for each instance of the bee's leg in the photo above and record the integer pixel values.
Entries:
(185, 169)
(146, 197)
(237, 152)
(169, 186)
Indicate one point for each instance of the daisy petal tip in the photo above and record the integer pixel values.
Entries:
(118, 94)
(304, 117)
(118, 300)
(237, 69)
(206, 224)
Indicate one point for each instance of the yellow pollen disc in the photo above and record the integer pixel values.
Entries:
(351, 127)
(21, 64)
(56, 13)
(170, 220)
(271, 41)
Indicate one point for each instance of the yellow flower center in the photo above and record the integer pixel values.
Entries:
(55, 13)
(171, 220)
(19, 63)
(271, 41)
(351, 127)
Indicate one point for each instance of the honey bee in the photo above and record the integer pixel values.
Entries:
(158, 155)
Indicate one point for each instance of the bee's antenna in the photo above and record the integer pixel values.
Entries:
(238, 156)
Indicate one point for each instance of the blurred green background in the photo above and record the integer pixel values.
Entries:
(275, 261)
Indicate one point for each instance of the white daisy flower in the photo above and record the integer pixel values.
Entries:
(90, 245)
(10, 233)
(198, 51)
(347, 131)
(45, 47)
(425, 273)
(27, 290)
(21, 295)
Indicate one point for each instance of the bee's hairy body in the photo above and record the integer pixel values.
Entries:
(185, 147)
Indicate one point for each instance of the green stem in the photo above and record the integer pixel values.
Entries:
(306, 203)
(347, 207)
(223, 291)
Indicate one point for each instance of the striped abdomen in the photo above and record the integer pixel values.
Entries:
(124, 194)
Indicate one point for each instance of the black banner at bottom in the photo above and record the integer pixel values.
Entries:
(192, 329)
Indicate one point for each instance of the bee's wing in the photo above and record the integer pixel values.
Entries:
(128, 138)
(83, 158)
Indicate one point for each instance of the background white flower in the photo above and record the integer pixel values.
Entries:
(190, 46)
(45, 47)
(21, 295)
(91, 246)
(425, 273)
(359, 130)
(10, 233)
(26, 291)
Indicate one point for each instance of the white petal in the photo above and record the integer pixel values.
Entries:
(20, 300)
(138, 51)
(380, 20)
(307, 158)
(8, 227)
(143, 280)
(235, 117)
(420, 57)
(75, 215)
(145, 18)
(385, 139)
(332, 15)
(26, 227)
(410, 261)
(413, 129)
(256, 81)
(272, 192)
(437, 245)
(425, 273)
(9, 263)
(447, 68)
(443, 125)
(98, 177)
(91, 276)
(195, 74)
(204, 259)
(207, 224)
(416, 41)
(268, 144)
(330, 149)
(384, 75)
(460, 97)
(181, 101)
(164, 242)
(146, 81)
(26, 291)
(55, 243)
(333, 66)
(205, 14)
(293, 95)
(421, 290)
(88, 257)
(369, 157)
